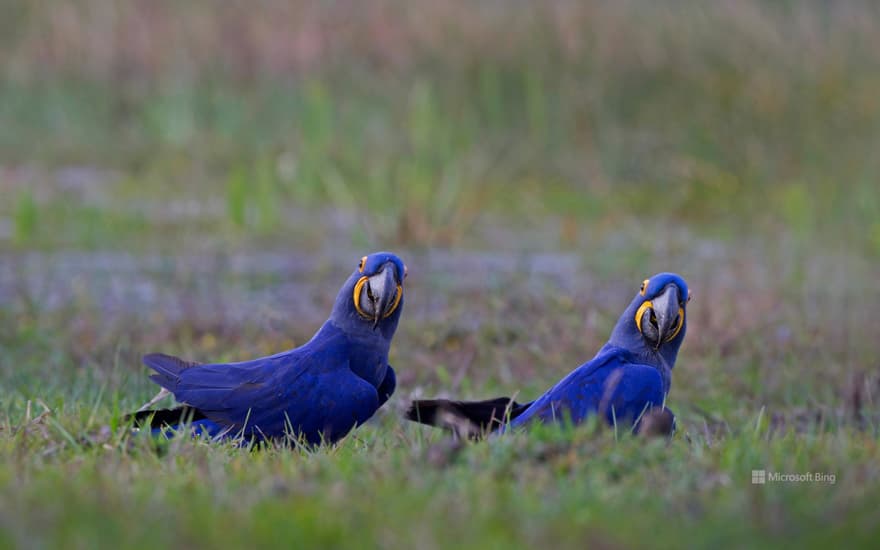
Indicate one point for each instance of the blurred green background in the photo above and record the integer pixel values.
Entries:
(198, 178)
(423, 121)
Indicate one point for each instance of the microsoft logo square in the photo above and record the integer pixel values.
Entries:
(759, 477)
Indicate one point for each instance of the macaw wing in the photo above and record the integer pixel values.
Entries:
(300, 394)
(387, 387)
(619, 390)
(209, 386)
(319, 406)
(227, 393)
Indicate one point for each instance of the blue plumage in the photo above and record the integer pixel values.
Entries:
(630, 375)
(319, 391)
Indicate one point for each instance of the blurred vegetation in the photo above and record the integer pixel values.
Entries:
(426, 118)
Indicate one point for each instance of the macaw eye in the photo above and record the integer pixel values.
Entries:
(361, 265)
(644, 287)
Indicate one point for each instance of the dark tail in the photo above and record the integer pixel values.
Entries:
(161, 418)
(471, 418)
(167, 375)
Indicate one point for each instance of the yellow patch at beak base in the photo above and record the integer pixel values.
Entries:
(648, 304)
(359, 285)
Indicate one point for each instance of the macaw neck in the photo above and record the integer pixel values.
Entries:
(651, 359)
(635, 344)
(356, 332)
(365, 351)
(626, 336)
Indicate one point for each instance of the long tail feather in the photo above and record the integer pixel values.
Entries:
(160, 418)
(483, 416)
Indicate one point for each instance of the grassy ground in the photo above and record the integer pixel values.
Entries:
(203, 186)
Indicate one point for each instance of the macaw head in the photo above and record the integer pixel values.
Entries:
(654, 324)
(372, 297)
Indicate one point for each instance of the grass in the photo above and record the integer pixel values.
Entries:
(762, 383)
(563, 489)
(202, 186)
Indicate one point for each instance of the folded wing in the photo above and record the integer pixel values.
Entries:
(271, 397)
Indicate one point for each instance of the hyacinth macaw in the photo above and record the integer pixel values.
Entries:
(629, 376)
(316, 392)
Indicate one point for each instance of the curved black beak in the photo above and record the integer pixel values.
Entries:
(382, 291)
(666, 308)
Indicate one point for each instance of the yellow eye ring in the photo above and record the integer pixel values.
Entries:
(359, 285)
(644, 287)
(362, 264)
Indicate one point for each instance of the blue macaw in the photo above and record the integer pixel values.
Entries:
(317, 392)
(629, 376)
